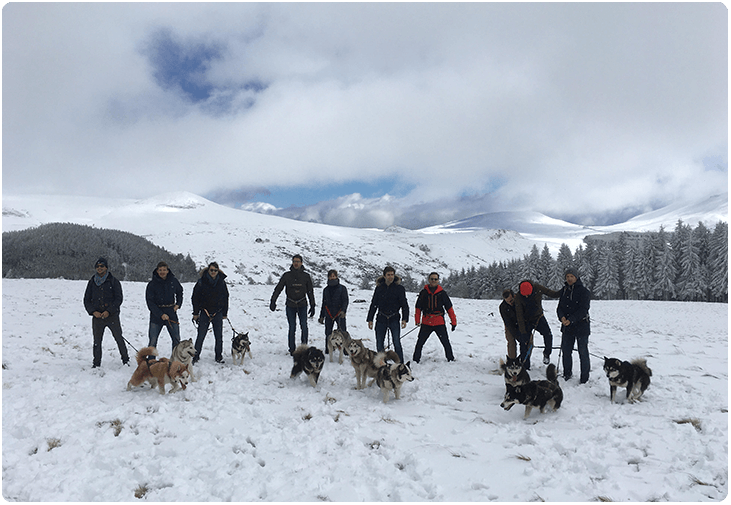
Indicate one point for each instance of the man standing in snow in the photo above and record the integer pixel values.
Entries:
(164, 296)
(573, 312)
(507, 312)
(299, 288)
(389, 298)
(102, 300)
(431, 306)
(334, 305)
(529, 312)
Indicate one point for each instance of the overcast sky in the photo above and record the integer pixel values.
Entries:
(566, 109)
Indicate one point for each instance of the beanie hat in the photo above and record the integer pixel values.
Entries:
(573, 271)
(526, 288)
(101, 261)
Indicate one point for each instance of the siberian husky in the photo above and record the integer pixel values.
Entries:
(338, 339)
(635, 376)
(535, 394)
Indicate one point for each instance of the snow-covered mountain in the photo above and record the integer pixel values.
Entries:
(251, 246)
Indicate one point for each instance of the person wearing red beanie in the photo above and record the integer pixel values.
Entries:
(529, 312)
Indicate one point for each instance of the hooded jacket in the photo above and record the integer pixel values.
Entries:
(431, 307)
(574, 306)
(299, 288)
(529, 309)
(388, 300)
(161, 295)
(334, 300)
(210, 294)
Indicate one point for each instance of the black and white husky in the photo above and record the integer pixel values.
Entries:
(308, 360)
(391, 376)
(514, 372)
(240, 345)
(635, 376)
(338, 339)
(535, 394)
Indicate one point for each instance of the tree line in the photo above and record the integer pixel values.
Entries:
(686, 264)
(68, 251)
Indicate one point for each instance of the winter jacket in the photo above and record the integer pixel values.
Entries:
(388, 300)
(299, 288)
(162, 295)
(529, 309)
(432, 305)
(107, 297)
(210, 294)
(574, 306)
(334, 300)
(510, 318)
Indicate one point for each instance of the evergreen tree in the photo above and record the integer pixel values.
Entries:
(689, 285)
(607, 283)
(665, 271)
(719, 262)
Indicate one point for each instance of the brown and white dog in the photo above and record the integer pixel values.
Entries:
(158, 372)
(363, 361)
(391, 376)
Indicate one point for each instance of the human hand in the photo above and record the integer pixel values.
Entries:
(272, 305)
(370, 325)
(403, 324)
(454, 326)
(321, 320)
(311, 313)
(165, 317)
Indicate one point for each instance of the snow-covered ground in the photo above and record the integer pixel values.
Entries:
(71, 433)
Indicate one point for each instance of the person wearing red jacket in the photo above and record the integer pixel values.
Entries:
(431, 305)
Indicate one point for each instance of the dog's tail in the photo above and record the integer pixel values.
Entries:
(142, 354)
(382, 358)
(551, 374)
(642, 363)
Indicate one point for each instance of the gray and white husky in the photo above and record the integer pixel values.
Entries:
(391, 376)
(185, 352)
(338, 339)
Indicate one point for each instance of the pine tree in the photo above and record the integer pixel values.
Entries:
(689, 285)
(719, 262)
(665, 271)
(607, 283)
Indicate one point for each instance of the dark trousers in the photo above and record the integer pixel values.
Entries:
(330, 324)
(204, 321)
(545, 330)
(382, 326)
(425, 332)
(155, 329)
(294, 313)
(567, 347)
(97, 329)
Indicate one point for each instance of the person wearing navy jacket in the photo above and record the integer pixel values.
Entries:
(210, 306)
(573, 312)
(431, 306)
(164, 297)
(389, 298)
(334, 305)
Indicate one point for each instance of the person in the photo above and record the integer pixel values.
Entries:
(102, 300)
(164, 297)
(299, 288)
(210, 306)
(529, 313)
(573, 312)
(431, 305)
(507, 312)
(389, 297)
(334, 305)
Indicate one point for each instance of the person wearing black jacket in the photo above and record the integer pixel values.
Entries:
(529, 313)
(573, 312)
(102, 300)
(164, 296)
(334, 305)
(510, 319)
(389, 298)
(299, 289)
(210, 306)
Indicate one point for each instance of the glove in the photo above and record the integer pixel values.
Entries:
(272, 305)
(312, 311)
(454, 326)
(523, 338)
